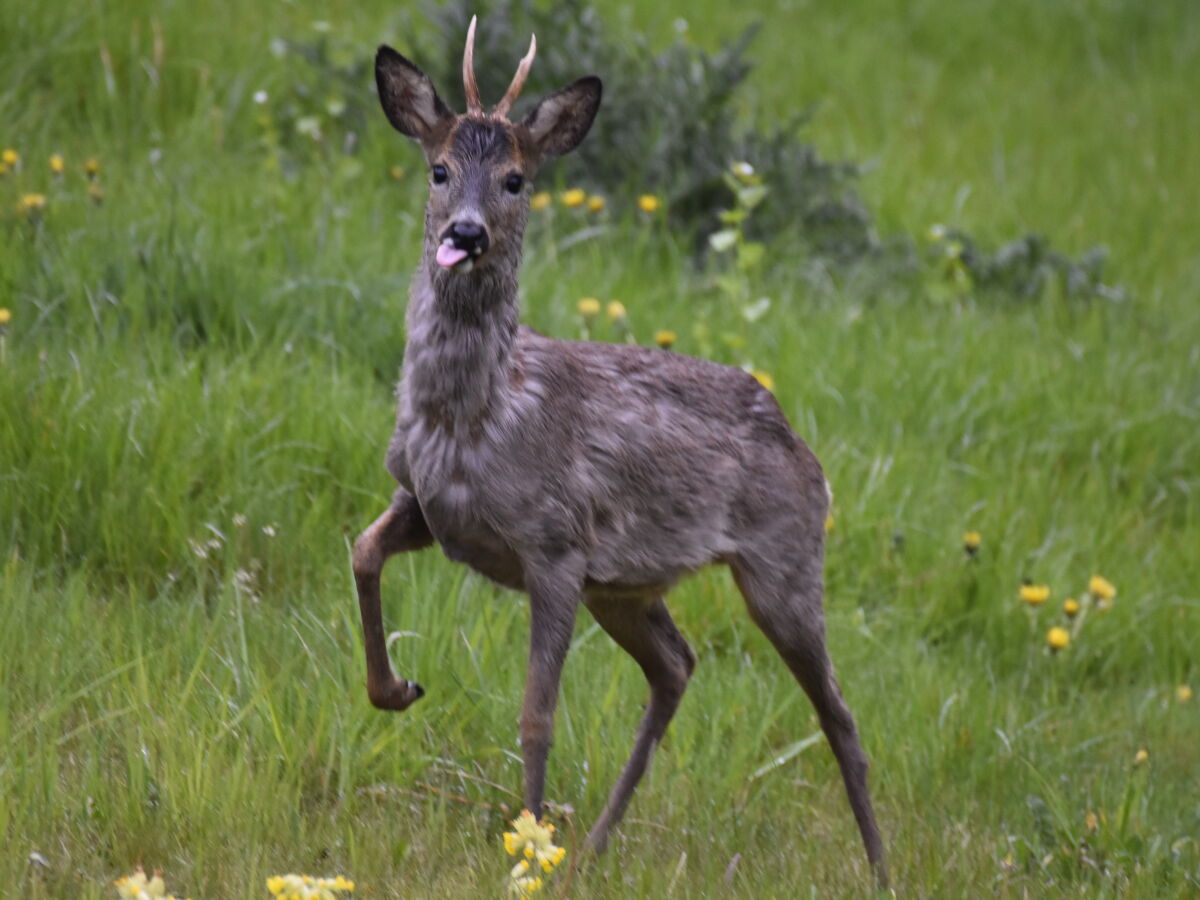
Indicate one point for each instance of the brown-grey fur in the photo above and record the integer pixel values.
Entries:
(582, 472)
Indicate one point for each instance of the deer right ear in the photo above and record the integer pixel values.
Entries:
(408, 97)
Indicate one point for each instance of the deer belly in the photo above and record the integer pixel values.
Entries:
(466, 539)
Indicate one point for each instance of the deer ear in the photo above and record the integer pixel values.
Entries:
(560, 121)
(408, 97)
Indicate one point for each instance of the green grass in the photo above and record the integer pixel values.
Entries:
(208, 356)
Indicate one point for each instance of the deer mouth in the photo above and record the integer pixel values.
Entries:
(449, 256)
(462, 247)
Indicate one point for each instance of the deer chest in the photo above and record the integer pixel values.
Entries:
(456, 490)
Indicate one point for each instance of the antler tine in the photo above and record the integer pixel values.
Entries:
(470, 87)
(518, 82)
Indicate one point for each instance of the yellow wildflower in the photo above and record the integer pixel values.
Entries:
(1141, 756)
(138, 887)
(1183, 693)
(396, 173)
(57, 164)
(764, 378)
(616, 310)
(541, 200)
(1035, 594)
(308, 887)
(1070, 607)
(589, 307)
(534, 841)
(574, 197)
(31, 203)
(92, 167)
(648, 203)
(971, 541)
(1058, 638)
(1090, 822)
(665, 338)
(11, 158)
(595, 203)
(5, 316)
(1101, 588)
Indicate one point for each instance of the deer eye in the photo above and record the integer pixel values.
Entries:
(440, 175)
(513, 183)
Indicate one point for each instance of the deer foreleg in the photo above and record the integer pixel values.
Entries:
(554, 598)
(402, 527)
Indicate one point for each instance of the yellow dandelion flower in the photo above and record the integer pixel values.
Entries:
(616, 310)
(1141, 756)
(648, 203)
(665, 338)
(11, 158)
(1035, 594)
(57, 164)
(396, 173)
(1183, 693)
(574, 197)
(541, 200)
(1101, 588)
(31, 203)
(5, 316)
(764, 378)
(1070, 607)
(971, 541)
(92, 167)
(595, 203)
(589, 307)
(1058, 638)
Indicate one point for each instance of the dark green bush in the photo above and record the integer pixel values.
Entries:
(671, 124)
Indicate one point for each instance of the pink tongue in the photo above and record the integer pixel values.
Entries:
(448, 255)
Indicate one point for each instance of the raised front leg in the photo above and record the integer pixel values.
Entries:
(554, 592)
(402, 527)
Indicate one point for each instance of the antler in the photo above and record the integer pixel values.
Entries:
(518, 82)
(474, 107)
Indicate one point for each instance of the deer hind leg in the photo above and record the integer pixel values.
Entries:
(648, 634)
(401, 527)
(785, 602)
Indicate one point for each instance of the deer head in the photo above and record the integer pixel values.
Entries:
(481, 165)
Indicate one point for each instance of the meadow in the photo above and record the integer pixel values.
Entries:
(196, 378)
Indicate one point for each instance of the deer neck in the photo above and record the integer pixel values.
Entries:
(461, 331)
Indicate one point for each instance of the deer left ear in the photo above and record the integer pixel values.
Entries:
(560, 121)
(408, 97)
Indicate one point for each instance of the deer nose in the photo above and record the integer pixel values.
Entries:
(469, 236)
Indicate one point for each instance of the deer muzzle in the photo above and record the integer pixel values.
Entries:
(463, 240)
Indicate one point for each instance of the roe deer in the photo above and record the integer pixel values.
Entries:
(577, 471)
